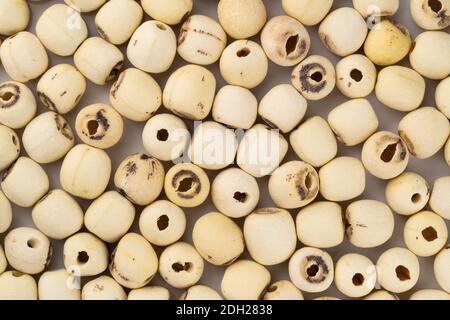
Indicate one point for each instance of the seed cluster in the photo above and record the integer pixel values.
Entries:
(121, 225)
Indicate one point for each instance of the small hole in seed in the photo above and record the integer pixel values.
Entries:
(17, 274)
(356, 75)
(402, 273)
(14, 140)
(185, 185)
(272, 289)
(358, 279)
(82, 257)
(178, 267)
(429, 234)
(317, 76)
(92, 127)
(435, 5)
(162, 135)
(32, 243)
(160, 26)
(416, 197)
(312, 270)
(291, 44)
(163, 222)
(243, 52)
(308, 181)
(6, 96)
(389, 152)
(240, 196)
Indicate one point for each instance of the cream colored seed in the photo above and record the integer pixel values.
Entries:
(15, 285)
(28, 250)
(425, 233)
(400, 88)
(23, 67)
(261, 151)
(201, 40)
(381, 295)
(235, 107)
(379, 46)
(58, 285)
(10, 146)
(311, 270)
(17, 104)
(439, 197)
(5, 213)
(118, 19)
(342, 179)
(168, 11)
(189, 92)
(61, 88)
(165, 137)
(85, 5)
(356, 76)
(139, 178)
(103, 288)
(353, 121)
(333, 31)
(385, 155)
(293, 185)
(149, 293)
(431, 15)
(314, 77)
(320, 225)
(186, 185)
(408, 193)
(98, 60)
(282, 290)
(199, 292)
(57, 215)
(135, 95)
(355, 275)
(441, 266)
(218, 239)
(314, 142)
(162, 223)
(244, 63)
(14, 16)
(61, 29)
(235, 193)
(180, 265)
(25, 182)
(147, 44)
(398, 270)
(425, 131)
(369, 223)
(306, 11)
(376, 7)
(283, 108)
(270, 235)
(85, 255)
(285, 41)
(242, 18)
(133, 262)
(109, 216)
(48, 137)
(431, 54)
(244, 280)
(85, 171)
(442, 97)
(430, 294)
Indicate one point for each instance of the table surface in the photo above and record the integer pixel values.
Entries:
(131, 142)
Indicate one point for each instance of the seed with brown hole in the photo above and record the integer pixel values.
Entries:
(355, 275)
(431, 14)
(17, 104)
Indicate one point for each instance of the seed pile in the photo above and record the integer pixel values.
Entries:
(134, 227)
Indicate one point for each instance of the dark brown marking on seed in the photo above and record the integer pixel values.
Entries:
(144, 156)
(117, 85)
(408, 142)
(63, 93)
(361, 225)
(46, 101)
(10, 96)
(153, 168)
(122, 192)
(206, 33)
(131, 168)
(115, 71)
(304, 77)
(49, 255)
(102, 33)
(183, 174)
(54, 76)
(444, 18)
(267, 211)
(102, 121)
(327, 41)
(270, 123)
(14, 140)
(98, 287)
(347, 225)
(204, 53)
(323, 267)
(135, 43)
(8, 171)
(63, 127)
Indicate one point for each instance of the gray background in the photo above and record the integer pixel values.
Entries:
(131, 142)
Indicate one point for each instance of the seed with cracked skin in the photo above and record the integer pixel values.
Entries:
(314, 77)
(17, 104)
(431, 14)
(103, 288)
(218, 239)
(285, 41)
(311, 269)
(10, 146)
(385, 155)
(168, 11)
